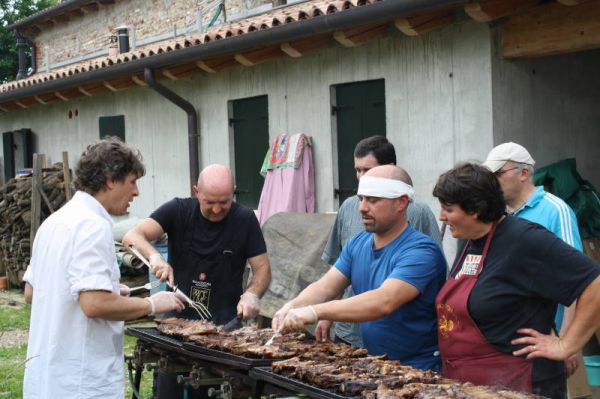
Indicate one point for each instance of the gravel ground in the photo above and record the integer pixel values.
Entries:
(10, 338)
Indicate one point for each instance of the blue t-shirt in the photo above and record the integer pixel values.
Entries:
(409, 334)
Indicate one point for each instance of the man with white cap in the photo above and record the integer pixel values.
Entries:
(513, 166)
(395, 271)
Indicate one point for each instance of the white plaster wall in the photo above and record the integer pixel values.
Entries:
(438, 111)
(550, 105)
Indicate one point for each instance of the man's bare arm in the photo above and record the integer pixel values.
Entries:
(261, 274)
(370, 305)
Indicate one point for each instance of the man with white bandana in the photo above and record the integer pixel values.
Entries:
(395, 271)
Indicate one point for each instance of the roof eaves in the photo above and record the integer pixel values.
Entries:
(46, 13)
(113, 67)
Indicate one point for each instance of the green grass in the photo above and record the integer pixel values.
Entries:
(13, 318)
(146, 383)
(12, 363)
(12, 367)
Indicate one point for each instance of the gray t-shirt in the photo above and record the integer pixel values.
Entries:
(348, 223)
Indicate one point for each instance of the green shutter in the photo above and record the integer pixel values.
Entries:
(360, 112)
(250, 123)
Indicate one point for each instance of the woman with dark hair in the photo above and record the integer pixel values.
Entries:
(496, 310)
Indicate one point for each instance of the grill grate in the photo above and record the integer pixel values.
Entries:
(291, 384)
(152, 336)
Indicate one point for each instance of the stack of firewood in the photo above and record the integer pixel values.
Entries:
(15, 218)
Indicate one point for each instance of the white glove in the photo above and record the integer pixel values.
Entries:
(279, 316)
(249, 305)
(161, 269)
(164, 301)
(297, 319)
(124, 290)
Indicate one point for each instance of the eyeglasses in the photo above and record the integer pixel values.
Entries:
(501, 172)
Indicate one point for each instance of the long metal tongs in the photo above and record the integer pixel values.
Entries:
(198, 307)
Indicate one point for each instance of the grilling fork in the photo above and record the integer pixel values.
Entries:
(198, 307)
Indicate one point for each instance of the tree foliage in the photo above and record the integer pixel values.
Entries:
(10, 12)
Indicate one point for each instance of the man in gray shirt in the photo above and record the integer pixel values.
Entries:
(369, 153)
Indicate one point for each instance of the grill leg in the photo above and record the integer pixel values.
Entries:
(137, 381)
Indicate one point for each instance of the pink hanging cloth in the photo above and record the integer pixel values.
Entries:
(289, 177)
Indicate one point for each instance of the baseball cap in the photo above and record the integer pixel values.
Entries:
(507, 152)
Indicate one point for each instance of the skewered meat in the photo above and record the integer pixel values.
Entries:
(185, 328)
(374, 377)
(445, 390)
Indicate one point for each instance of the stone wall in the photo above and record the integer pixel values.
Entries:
(239, 8)
(83, 36)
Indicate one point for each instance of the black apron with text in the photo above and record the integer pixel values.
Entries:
(212, 280)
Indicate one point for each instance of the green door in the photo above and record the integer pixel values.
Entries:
(359, 110)
(250, 124)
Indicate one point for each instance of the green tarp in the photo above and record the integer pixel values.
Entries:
(561, 179)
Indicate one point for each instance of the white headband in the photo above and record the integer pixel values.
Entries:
(381, 187)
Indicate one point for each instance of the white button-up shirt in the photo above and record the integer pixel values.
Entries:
(70, 355)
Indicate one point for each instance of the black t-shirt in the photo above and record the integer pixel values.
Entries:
(527, 272)
(208, 237)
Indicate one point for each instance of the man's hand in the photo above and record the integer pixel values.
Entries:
(249, 305)
(164, 301)
(541, 345)
(161, 269)
(322, 330)
(124, 290)
(297, 319)
(278, 317)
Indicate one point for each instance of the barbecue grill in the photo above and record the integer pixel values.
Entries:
(264, 374)
(155, 350)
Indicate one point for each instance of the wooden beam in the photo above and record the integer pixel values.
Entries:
(138, 81)
(485, 11)
(243, 60)
(362, 34)
(169, 75)
(291, 51)
(59, 95)
(84, 91)
(417, 25)
(36, 203)
(3, 109)
(109, 86)
(89, 8)
(39, 100)
(255, 57)
(202, 65)
(552, 29)
(20, 104)
(570, 2)
(66, 175)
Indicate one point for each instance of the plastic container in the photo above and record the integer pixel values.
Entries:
(164, 251)
(592, 369)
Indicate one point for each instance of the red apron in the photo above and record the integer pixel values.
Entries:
(466, 354)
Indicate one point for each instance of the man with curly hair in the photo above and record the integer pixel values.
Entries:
(75, 345)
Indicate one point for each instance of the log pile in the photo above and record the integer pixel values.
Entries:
(15, 218)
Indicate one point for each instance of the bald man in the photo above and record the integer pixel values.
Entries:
(210, 239)
(395, 271)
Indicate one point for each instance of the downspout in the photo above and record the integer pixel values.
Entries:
(22, 45)
(192, 117)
